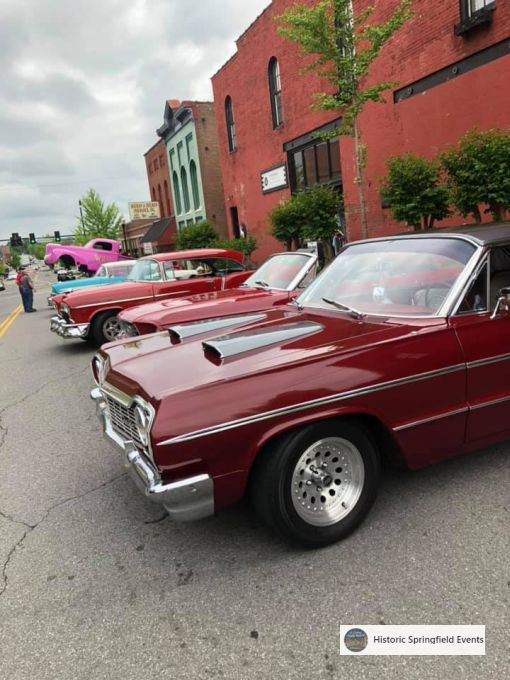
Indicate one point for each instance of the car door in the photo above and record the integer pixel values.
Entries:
(485, 341)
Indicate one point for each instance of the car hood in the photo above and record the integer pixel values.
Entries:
(204, 306)
(68, 286)
(126, 290)
(283, 340)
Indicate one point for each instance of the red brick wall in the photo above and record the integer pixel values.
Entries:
(156, 164)
(259, 147)
(426, 123)
(422, 124)
(208, 153)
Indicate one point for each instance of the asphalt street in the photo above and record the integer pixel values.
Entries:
(95, 581)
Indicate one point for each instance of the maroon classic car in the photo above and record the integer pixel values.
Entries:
(91, 314)
(277, 282)
(398, 351)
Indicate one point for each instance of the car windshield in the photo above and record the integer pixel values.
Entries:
(278, 271)
(400, 277)
(101, 271)
(145, 270)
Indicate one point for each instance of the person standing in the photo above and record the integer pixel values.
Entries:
(338, 241)
(27, 292)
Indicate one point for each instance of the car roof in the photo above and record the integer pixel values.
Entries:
(120, 263)
(195, 254)
(487, 234)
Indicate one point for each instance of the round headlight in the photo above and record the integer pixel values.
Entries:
(142, 420)
(65, 308)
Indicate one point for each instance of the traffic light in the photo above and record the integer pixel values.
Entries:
(57, 236)
(16, 239)
(32, 239)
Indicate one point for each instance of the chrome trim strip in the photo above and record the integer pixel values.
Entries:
(424, 421)
(188, 330)
(341, 396)
(492, 402)
(113, 302)
(177, 292)
(489, 360)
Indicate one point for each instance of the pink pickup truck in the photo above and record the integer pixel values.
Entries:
(87, 258)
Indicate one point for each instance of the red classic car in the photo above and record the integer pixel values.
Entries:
(92, 314)
(278, 281)
(398, 351)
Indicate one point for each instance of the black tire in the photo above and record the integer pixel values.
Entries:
(97, 334)
(275, 474)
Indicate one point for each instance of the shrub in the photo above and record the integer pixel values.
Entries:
(199, 235)
(414, 192)
(478, 173)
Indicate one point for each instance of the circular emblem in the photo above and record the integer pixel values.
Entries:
(356, 640)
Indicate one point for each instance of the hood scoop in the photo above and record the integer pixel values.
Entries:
(237, 343)
(187, 330)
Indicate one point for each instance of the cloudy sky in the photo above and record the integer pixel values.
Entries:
(82, 90)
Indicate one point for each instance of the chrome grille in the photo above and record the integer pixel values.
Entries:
(123, 420)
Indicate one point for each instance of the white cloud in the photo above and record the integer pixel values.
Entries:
(83, 89)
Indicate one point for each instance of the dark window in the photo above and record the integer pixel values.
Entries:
(474, 13)
(102, 246)
(234, 216)
(471, 7)
(167, 199)
(316, 163)
(177, 193)
(231, 126)
(185, 192)
(194, 185)
(275, 92)
(160, 199)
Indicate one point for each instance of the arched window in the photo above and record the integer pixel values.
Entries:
(167, 199)
(275, 92)
(160, 199)
(177, 193)
(194, 185)
(231, 126)
(185, 192)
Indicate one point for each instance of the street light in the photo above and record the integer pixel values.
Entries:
(81, 217)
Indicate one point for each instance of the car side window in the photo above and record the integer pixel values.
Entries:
(475, 300)
(500, 272)
(307, 280)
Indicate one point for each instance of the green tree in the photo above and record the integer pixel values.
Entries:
(311, 214)
(414, 191)
(342, 48)
(287, 221)
(98, 220)
(15, 260)
(199, 235)
(243, 245)
(478, 173)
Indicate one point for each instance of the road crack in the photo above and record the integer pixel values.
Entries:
(30, 528)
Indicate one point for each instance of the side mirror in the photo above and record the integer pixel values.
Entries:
(503, 303)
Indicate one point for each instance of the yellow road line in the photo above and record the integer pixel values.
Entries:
(6, 323)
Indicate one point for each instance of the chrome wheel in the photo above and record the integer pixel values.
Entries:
(111, 328)
(327, 481)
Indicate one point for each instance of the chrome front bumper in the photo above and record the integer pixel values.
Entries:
(185, 500)
(68, 330)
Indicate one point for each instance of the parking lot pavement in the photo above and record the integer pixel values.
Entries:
(95, 582)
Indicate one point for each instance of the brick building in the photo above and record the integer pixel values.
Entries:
(189, 134)
(452, 65)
